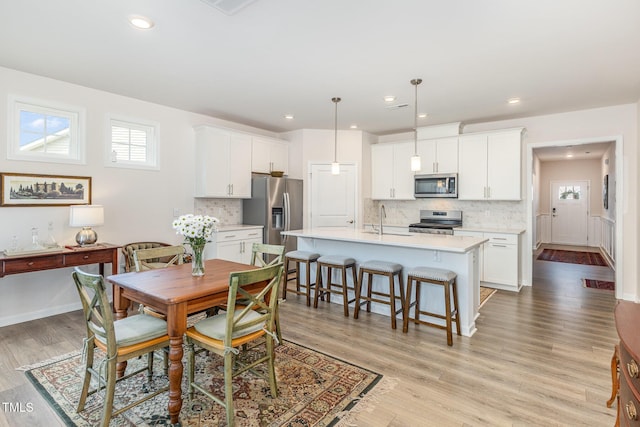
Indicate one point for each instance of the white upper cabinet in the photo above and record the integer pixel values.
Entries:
(269, 155)
(490, 166)
(391, 175)
(223, 163)
(439, 155)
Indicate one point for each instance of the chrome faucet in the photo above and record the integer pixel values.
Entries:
(383, 211)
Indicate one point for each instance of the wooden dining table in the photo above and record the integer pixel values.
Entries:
(174, 292)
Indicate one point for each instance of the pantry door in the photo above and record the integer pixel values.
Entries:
(569, 212)
(332, 202)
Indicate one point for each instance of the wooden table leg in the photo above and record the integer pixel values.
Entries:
(615, 362)
(176, 325)
(120, 308)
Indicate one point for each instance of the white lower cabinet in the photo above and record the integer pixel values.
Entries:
(499, 259)
(233, 245)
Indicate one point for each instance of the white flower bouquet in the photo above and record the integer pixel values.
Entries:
(196, 229)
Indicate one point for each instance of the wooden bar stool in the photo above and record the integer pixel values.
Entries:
(440, 277)
(390, 270)
(298, 258)
(337, 262)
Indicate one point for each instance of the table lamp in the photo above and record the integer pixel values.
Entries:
(86, 216)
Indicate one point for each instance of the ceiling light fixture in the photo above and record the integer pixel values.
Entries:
(354, 126)
(335, 166)
(141, 22)
(288, 116)
(389, 98)
(514, 101)
(415, 159)
(422, 115)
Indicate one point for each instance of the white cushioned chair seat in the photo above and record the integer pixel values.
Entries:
(304, 255)
(215, 326)
(336, 260)
(135, 329)
(382, 266)
(438, 274)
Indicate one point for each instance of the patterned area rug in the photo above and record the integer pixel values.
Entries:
(314, 389)
(572, 257)
(485, 294)
(599, 284)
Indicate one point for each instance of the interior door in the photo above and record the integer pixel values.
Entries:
(569, 212)
(333, 197)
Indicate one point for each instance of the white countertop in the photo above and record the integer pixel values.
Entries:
(491, 229)
(437, 242)
(236, 227)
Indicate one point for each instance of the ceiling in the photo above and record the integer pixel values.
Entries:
(277, 57)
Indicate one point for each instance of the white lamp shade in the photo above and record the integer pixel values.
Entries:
(86, 215)
(415, 163)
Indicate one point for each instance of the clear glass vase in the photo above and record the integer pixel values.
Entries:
(197, 263)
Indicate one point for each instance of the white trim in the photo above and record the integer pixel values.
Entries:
(620, 165)
(76, 114)
(153, 146)
(39, 314)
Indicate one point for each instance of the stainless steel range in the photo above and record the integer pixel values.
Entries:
(437, 222)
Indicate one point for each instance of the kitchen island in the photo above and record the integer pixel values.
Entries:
(456, 253)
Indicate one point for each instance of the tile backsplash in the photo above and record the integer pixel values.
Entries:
(475, 213)
(228, 211)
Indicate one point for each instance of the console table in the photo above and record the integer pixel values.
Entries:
(100, 253)
(627, 377)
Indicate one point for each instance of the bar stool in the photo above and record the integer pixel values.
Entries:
(298, 258)
(390, 270)
(440, 277)
(338, 262)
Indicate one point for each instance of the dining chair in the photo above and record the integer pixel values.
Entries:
(130, 248)
(159, 257)
(224, 333)
(260, 253)
(120, 340)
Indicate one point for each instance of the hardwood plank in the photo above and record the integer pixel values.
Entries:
(540, 357)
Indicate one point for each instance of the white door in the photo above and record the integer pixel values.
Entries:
(333, 197)
(569, 212)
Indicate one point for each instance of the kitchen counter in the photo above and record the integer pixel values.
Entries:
(456, 253)
(504, 230)
(438, 242)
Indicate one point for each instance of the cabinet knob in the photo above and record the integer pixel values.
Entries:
(630, 409)
(85, 257)
(632, 368)
(30, 264)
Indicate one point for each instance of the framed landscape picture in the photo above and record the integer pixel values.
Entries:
(19, 189)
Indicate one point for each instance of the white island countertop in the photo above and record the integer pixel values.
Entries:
(437, 242)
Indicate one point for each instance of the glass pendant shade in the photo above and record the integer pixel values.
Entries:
(415, 163)
(335, 168)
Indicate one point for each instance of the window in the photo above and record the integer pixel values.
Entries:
(132, 144)
(44, 131)
(570, 192)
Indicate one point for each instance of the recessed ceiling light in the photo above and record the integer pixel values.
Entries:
(288, 116)
(422, 115)
(141, 22)
(569, 155)
(513, 101)
(353, 126)
(389, 98)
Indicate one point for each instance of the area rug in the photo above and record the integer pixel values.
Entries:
(599, 284)
(315, 389)
(572, 257)
(485, 294)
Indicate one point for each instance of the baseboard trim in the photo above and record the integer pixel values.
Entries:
(33, 315)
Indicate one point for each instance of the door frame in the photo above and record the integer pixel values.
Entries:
(357, 201)
(527, 275)
(588, 202)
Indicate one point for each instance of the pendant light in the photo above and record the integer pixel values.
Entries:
(335, 166)
(415, 159)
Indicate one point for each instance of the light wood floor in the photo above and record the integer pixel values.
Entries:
(540, 358)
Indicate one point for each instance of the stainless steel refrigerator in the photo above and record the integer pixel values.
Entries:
(276, 204)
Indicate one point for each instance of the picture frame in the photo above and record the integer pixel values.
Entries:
(23, 189)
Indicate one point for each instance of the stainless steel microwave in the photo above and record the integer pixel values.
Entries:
(436, 185)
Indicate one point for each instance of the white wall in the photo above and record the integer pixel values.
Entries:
(138, 204)
(620, 120)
